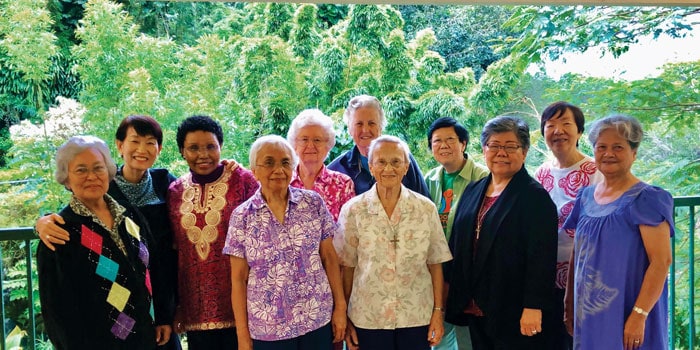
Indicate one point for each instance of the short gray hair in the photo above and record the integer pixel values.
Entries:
(507, 123)
(271, 140)
(389, 139)
(625, 126)
(312, 117)
(76, 145)
(364, 101)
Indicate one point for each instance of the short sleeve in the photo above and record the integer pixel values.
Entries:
(652, 206)
(572, 221)
(235, 238)
(346, 240)
(438, 252)
(328, 227)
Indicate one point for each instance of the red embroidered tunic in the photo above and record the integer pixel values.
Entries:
(199, 214)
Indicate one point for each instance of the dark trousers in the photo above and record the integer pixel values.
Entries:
(560, 340)
(413, 338)
(320, 339)
(172, 344)
(483, 340)
(215, 339)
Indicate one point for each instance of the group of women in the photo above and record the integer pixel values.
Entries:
(292, 254)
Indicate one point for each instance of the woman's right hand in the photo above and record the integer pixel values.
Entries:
(49, 232)
(351, 337)
(245, 343)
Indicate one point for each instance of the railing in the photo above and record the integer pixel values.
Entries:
(681, 204)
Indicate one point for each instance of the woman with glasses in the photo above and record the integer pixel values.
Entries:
(95, 289)
(448, 140)
(200, 204)
(504, 240)
(391, 246)
(312, 136)
(285, 277)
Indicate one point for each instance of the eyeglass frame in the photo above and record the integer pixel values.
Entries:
(83, 172)
(509, 149)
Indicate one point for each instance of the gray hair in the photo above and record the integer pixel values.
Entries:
(625, 126)
(363, 101)
(389, 139)
(76, 145)
(507, 123)
(312, 117)
(271, 140)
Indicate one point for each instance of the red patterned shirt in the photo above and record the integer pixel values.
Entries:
(334, 187)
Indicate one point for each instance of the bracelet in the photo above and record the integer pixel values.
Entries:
(641, 311)
(438, 309)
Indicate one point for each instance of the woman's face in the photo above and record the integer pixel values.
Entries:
(388, 165)
(312, 145)
(365, 126)
(446, 147)
(613, 154)
(273, 167)
(561, 134)
(88, 177)
(202, 151)
(504, 154)
(139, 152)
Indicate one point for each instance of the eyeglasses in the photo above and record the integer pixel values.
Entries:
(271, 164)
(449, 141)
(494, 148)
(395, 163)
(316, 141)
(194, 149)
(83, 172)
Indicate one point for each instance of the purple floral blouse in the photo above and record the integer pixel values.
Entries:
(288, 293)
(334, 187)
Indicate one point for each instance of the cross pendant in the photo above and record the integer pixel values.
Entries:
(394, 241)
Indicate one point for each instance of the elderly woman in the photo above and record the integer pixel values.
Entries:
(365, 120)
(504, 239)
(392, 247)
(286, 286)
(312, 136)
(448, 140)
(200, 204)
(622, 248)
(563, 176)
(139, 141)
(95, 289)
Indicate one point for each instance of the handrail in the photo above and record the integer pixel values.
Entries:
(25, 234)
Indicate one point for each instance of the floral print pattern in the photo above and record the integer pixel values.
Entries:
(392, 287)
(288, 290)
(335, 188)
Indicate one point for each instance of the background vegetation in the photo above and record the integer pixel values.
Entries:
(76, 66)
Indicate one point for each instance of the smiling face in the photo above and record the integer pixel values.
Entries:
(273, 167)
(561, 134)
(389, 164)
(613, 154)
(88, 177)
(312, 145)
(365, 126)
(499, 161)
(202, 151)
(447, 149)
(139, 152)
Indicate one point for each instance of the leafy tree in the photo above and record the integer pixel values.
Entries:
(305, 36)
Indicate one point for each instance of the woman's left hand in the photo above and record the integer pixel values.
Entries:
(436, 329)
(633, 336)
(231, 164)
(531, 322)
(339, 323)
(163, 333)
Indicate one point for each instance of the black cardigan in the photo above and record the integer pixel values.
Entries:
(515, 262)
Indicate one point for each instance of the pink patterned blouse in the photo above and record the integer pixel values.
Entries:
(334, 187)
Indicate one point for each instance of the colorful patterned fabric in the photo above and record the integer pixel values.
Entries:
(288, 291)
(93, 294)
(610, 265)
(563, 185)
(335, 188)
(392, 287)
(199, 215)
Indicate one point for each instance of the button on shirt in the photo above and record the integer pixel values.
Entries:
(288, 294)
(392, 287)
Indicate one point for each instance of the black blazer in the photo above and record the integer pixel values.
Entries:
(515, 262)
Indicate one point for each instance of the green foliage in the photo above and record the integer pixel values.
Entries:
(304, 35)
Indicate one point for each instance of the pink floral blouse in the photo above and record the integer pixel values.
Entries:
(335, 188)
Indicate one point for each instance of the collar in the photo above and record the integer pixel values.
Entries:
(322, 177)
(374, 204)
(258, 202)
